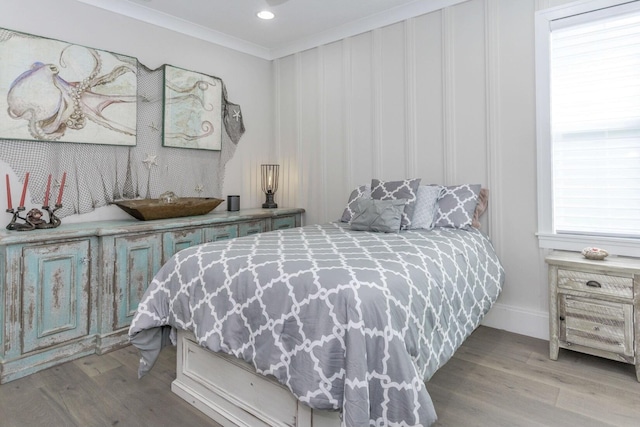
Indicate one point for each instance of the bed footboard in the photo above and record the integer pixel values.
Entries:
(229, 391)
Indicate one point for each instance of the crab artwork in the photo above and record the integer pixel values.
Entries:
(75, 89)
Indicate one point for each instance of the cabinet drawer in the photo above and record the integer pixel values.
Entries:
(253, 227)
(224, 232)
(600, 284)
(596, 324)
(175, 241)
(282, 223)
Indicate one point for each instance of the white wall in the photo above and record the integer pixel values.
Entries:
(248, 79)
(448, 97)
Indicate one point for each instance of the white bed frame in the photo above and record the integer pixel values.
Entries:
(229, 391)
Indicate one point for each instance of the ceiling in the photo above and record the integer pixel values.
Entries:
(298, 25)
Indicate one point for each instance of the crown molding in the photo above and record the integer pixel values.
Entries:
(382, 19)
(161, 19)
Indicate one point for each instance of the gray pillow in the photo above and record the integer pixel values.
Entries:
(378, 215)
(361, 191)
(393, 190)
(456, 206)
(426, 206)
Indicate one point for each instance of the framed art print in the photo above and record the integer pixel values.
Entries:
(192, 110)
(56, 91)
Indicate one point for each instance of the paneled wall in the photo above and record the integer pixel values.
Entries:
(448, 97)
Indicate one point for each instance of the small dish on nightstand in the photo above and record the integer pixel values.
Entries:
(594, 253)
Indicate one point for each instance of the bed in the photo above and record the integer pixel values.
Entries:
(318, 325)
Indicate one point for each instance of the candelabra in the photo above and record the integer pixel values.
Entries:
(33, 219)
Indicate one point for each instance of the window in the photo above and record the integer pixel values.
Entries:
(588, 112)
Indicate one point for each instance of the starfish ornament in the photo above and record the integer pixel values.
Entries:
(150, 160)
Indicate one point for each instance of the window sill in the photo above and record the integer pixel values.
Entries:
(576, 242)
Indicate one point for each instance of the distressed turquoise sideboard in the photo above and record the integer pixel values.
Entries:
(72, 291)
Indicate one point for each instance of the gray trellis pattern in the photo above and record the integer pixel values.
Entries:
(367, 317)
(456, 206)
(391, 190)
(363, 191)
(426, 206)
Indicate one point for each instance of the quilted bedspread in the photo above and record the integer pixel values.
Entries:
(347, 320)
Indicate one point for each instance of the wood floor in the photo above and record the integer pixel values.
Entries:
(495, 379)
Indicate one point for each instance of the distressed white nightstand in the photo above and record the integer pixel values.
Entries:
(594, 306)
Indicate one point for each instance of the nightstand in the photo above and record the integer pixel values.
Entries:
(594, 306)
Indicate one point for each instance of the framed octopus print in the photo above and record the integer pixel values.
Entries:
(192, 110)
(56, 91)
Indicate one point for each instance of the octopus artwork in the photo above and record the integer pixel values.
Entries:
(192, 109)
(97, 87)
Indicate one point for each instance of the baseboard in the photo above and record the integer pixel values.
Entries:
(520, 321)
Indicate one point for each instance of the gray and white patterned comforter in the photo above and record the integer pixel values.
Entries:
(347, 320)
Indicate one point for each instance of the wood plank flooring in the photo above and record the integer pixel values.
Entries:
(495, 379)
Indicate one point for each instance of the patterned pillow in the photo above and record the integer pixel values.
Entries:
(378, 215)
(426, 206)
(364, 191)
(393, 190)
(456, 206)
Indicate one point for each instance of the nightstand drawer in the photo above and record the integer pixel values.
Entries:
(597, 324)
(600, 284)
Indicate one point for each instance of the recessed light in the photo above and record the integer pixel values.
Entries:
(265, 14)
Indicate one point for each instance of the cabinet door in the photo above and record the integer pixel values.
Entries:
(137, 261)
(175, 241)
(223, 232)
(252, 227)
(595, 323)
(56, 294)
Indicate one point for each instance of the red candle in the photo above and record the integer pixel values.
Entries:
(59, 201)
(24, 190)
(9, 205)
(46, 193)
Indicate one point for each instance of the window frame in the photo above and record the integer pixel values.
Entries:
(544, 21)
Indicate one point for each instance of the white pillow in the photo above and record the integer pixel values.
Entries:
(426, 206)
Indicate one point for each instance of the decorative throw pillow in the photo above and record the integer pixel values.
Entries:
(363, 191)
(426, 206)
(456, 206)
(378, 215)
(483, 202)
(393, 190)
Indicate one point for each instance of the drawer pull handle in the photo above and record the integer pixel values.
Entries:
(562, 318)
(594, 284)
(596, 328)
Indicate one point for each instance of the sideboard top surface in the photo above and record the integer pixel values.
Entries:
(116, 227)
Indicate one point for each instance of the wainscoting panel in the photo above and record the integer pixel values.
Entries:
(392, 89)
(335, 165)
(361, 127)
(467, 78)
(286, 130)
(429, 114)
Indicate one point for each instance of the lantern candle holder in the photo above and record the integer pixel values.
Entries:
(269, 184)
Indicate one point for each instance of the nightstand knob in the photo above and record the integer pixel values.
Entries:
(562, 318)
(596, 328)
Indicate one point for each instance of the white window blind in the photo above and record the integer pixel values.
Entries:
(595, 126)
